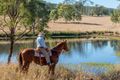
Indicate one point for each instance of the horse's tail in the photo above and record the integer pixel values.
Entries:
(20, 60)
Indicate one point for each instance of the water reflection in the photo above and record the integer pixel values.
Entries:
(100, 51)
(116, 47)
(99, 44)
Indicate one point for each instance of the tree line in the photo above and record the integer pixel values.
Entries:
(72, 10)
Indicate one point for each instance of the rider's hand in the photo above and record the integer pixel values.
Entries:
(47, 49)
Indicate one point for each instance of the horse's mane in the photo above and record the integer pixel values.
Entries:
(57, 45)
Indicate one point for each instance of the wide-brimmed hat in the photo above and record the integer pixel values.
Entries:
(41, 33)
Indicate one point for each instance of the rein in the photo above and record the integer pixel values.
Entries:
(58, 50)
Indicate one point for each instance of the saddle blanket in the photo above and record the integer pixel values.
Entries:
(40, 54)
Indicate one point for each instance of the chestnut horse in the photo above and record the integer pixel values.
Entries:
(28, 55)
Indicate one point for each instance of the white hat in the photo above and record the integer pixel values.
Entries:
(41, 33)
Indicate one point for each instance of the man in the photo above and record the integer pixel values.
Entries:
(41, 46)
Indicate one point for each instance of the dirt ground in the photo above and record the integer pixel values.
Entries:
(87, 23)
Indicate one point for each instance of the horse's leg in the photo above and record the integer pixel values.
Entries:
(20, 68)
(49, 70)
(53, 69)
(25, 67)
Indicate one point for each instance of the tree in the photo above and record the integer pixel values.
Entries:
(54, 15)
(79, 5)
(14, 13)
(39, 14)
(65, 11)
(86, 7)
(99, 10)
(76, 15)
(19, 17)
(115, 17)
(68, 12)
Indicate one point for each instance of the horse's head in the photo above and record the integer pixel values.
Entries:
(65, 47)
(61, 46)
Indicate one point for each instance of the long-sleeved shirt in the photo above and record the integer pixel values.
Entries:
(40, 42)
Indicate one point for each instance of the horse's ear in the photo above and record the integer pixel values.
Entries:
(64, 40)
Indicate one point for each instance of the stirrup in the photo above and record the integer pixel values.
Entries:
(41, 64)
(50, 64)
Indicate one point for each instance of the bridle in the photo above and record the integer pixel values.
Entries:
(59, 50)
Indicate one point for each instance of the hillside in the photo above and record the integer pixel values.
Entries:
(88, 23)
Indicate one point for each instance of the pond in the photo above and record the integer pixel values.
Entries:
(96, 51)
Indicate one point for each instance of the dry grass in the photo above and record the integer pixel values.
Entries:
(113, 74)
(8, 72)
(88, 23)
(36, 72)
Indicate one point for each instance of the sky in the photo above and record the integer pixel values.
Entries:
(106, 3)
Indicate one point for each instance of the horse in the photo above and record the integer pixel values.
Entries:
(27, 56)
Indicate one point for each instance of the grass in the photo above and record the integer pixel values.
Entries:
(36, 72)
(64, 35)
(98, 64)
(118, 54)
(8, 72)
(98, 68)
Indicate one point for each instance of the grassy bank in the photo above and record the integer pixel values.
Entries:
(8, 72)
(64, 35)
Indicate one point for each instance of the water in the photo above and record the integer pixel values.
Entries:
(99, 51)
(92, 52)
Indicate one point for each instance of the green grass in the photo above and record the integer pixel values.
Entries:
(118, 54)
(54, 35)
(98, 64)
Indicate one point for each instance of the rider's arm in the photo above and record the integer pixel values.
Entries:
(42, 42)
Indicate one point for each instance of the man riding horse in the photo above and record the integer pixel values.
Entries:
(41, 47)
(28, 55)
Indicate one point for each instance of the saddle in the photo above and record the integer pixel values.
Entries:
(38, 53)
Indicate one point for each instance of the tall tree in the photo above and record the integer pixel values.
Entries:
(68, 12)
(115, 17)
(15, 19)
(54, 15)
(99, 10)
(79, 5)
(19, 16)
(39, 11)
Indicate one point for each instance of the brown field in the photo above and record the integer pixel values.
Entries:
(87, 23)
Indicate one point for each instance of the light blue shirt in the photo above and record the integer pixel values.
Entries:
(40, 42)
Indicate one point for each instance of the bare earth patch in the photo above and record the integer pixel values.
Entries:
(88, 23)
